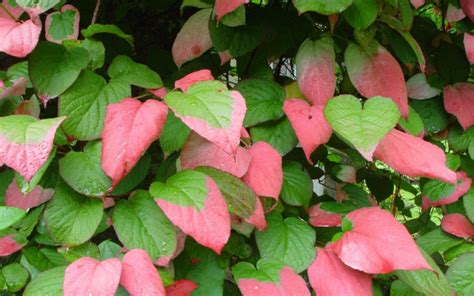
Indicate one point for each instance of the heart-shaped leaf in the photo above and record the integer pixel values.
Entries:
(25, 143)
(125, 137)
(457, 225)
(15, 198)
(361, 127)
(63, 25)
(458, 101)
(193, 202)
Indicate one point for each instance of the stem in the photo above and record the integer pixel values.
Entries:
(96, 12)
(7, 12)
(397, 193)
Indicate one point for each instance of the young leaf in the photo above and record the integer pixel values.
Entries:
(315, 62)
(375, 72)
(193, 39)
(322, 218)
(63, 25)
(18, 39)
(328, 275)
(469, 47)
(139, 275)
(224, 7)
(87, 276)
(193, 202)
(322, 6)
(130, 128)
(458, 101)
(457, 225)
(181, 288)
(378, 243)
(26, 143)
(414, 157)
(211, 111)
(309, 125)
(363, 127)
(15, 198)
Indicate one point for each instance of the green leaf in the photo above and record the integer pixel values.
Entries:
(379, 185)
(124, 70)
(297, 188)
(264, 99)
(461, 274)
(413, 124)
(234, 18)
(361, 14)
(47, 283)
(460, 140)
(266, 271)
(437, 241)
(85, 103)
(109, 249)
(468, 201)
(452, 64)
(290, 241)
(432, 114)
(471, 149)
(326, 7)
(95, 29)
(174, 134)
(135, 177)
(62, 24)
(10, 216)
(240, 198)
(279, 134)
(141, 224)
(54, 68)
(83, 172)
(399, 288)
(72, 218)
(87, 249)
(16, 276)
(454, 252)
(96, 52)
(436, 190)
(362, 127)
(43, 5)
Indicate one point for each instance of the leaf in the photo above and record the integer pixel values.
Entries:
(96, 52)
(375, 72)
(290, 241)
(458, 101)
(264, 99)
(378, 244)
(265, 174)
(413, 124)
(37, 6)
(193, 202)
(233, 19)
(268, 279)
(16, 276)
(95, 29)
(18, 39)
(54, 68)
(187, 81)
(85, 104)
(451, 63)
(364, 127)
(469, 47)
(10, 216)
(309, 124)
(279, 134)
(135, 177)
(297, 188)
(468, 202)
(193, 39)
(47, 283)
(321, 218)
(462, 186)
(223, 7)
(8, 245)
(124, 70)
(87, 276)
(468, 8)
(379, 185)
(315, 68)
(63, 25)
(15, 198)
(141, 224)
(197, 151)
(130, 128)
(361, 14)
(13, 8)
(328, 275)
(25, 143)
(181, 288)
(71, 218)
(322, 6)
(137, 266)
(413, 157)
(437, 241)
(211, 111)
(174, 134)
(436, 190)
(461, 274)
(418, 88)
(82, 171)
(457, 225)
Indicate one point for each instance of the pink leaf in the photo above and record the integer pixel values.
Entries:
(378, 243)
(185, 83)
(194, 39)
(130, 128)
(414, 157)
(328, 275)
(454, 14)
(468, 7)
(15, 198)
(321, 218)
(8, 246)
(459, 190)
(458, 225)
(18, 39)
(88, 276)
(16, 12)
(377, 73)
(209, 226)
(224, 7)
(17, 89)
(309, 123)
(265, 173)
(291, 284)
(458, 100)
(77, 18)
(469, 47)
(417, 3)
(159, 92)
(258, 217)
(315, 70)
(198, 151)
(139, 275)
(181, 288)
